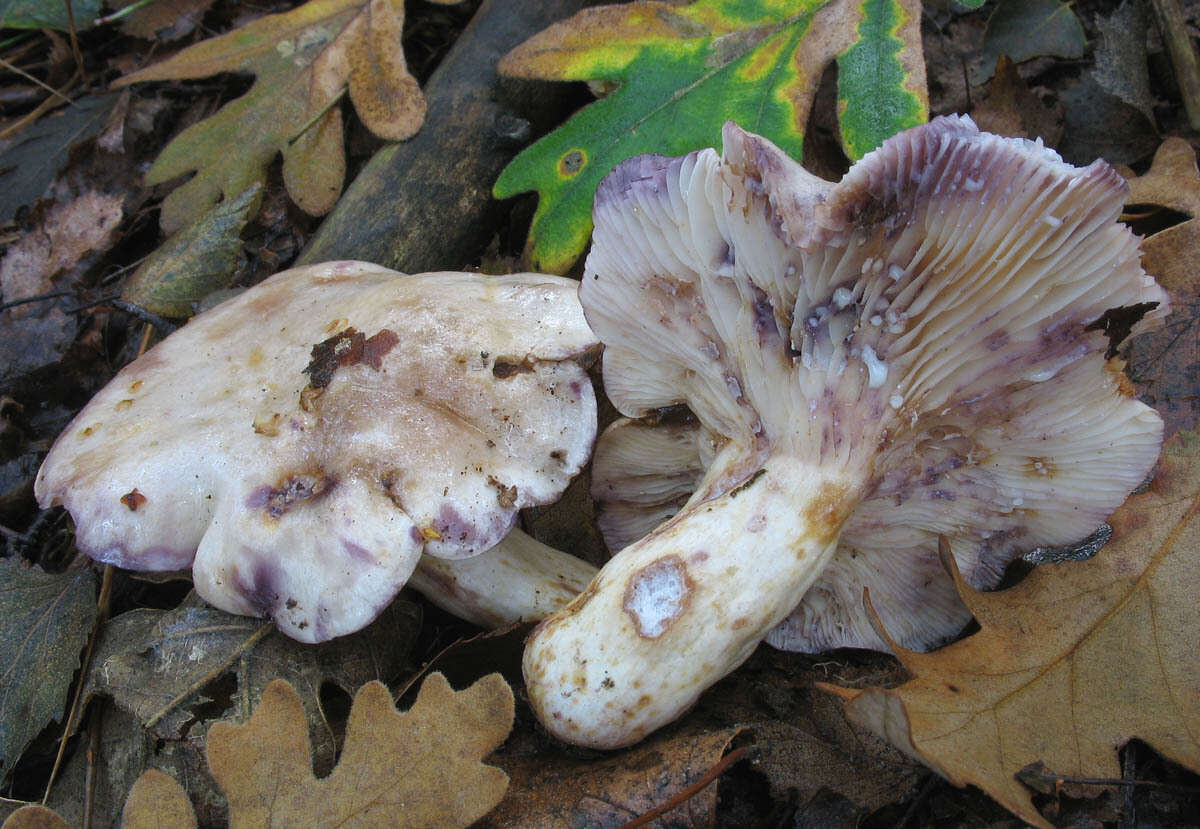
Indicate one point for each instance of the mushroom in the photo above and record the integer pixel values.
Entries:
(922, 345)
(301, 445)
(518, 580)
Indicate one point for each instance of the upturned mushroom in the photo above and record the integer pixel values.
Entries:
(922, 345)
(302, 445)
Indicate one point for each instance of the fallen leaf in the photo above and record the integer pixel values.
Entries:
(157, 665)
(674, 74)
(420, 768)
(194, 262)
(805, 743)
(110, 768)
(1070, 664)
(35, 817)
(1011, 108)
(1172, 182)
(1099, 125)
(1121, 69)
(45, 620)
(553, 788)
(38, 14)
(66, 235)
(302, 61)
(1026, 29)
(32, 342)
(163, 20)
(29, 165)
(157, 801)
(1165, 364)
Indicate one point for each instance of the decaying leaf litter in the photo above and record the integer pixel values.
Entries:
(1060, 89)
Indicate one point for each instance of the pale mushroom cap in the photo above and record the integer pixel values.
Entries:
(939, 312)
(307, 440)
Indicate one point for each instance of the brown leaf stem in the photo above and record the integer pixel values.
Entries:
(691, 791)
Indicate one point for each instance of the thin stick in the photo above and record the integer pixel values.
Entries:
(102, 604)
(75, 50)
(1173, 26)
(38, 111)
(1050, 777)
(122, 13)
(4, 306)
(19, 71)
(309, 125)
(691, 791)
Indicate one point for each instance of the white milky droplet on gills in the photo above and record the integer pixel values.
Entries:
(876, 369)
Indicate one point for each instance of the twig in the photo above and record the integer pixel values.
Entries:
(40, 110)
(691, 791)
(1173, 26)
(4, 306)
(75, 50)
(102, 604)
(321, 114)
(1129, 772)
(1050, 777)
(16, 70)
(122, 13)
(93, 759)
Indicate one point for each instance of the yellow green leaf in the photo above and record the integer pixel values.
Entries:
(677, 73)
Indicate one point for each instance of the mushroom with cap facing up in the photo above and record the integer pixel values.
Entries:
(872, 364)
(301, 445)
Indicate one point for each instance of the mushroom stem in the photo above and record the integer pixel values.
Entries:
(519, 580)
(677, 610)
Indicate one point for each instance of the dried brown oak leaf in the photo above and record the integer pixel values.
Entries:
(157, 801)
(302, 61)
(420, 768)
(1070, 664)
(1165, 364)
(1172, 182)
(34, 816)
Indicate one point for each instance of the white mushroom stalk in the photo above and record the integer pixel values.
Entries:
(518, 580)
(938, 315)
(303, 444)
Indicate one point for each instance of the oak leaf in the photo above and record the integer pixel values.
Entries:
(302, 61)
(34, 816)
(157, 801)
(553, 787)
(1070, 664)
(420, 768)
(1165, 364)
(674, 74)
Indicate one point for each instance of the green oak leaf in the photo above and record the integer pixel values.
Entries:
(676, 75)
